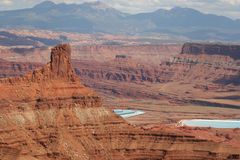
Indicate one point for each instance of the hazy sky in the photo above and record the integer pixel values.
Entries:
(230, 8)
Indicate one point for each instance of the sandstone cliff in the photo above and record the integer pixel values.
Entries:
(151, 64)
(232, 51)
(55, 81)
(13, 69)
(49, 115)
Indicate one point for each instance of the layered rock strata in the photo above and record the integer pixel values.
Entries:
(48, 115)
(232, 51)
(13, 69)
(54, 83)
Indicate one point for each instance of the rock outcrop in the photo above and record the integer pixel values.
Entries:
(13, 69)
(121, 70)
(48, 115)
(232, 51)
(55, 82)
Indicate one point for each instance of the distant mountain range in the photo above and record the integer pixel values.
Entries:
(98, 17)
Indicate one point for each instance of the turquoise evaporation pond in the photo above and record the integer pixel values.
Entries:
(211, 123)
(128, 113)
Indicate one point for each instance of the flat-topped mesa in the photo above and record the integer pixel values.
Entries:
(232, 51)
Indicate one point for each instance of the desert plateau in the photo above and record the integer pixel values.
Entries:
(87, 81)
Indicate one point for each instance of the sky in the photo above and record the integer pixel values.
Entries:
(229, 8)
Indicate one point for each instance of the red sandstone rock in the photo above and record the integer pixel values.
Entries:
(146, 64)
(60, 64)
(212, 49)
(49, 115)
(56, 80)
(13, 69)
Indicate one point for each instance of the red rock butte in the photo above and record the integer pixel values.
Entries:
(59, 68)
(48, 115)
(56, 80)
(60, 65)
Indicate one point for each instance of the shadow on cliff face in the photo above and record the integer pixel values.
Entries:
(235, 97)
(234, 80)
(213, 104)
(48, 114)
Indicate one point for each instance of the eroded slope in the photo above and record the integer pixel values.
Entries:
(48, 114)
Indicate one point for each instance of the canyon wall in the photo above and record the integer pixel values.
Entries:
(232, 51)
(55, 81)
(124, 70)
(13, 69)
(101, 53)
(139, 52)
(48, 114)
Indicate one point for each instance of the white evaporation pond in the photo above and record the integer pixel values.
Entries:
(211, 123)
(128, 113)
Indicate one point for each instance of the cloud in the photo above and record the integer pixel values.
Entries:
(230, 8)
(6, 2)
(232, 2)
